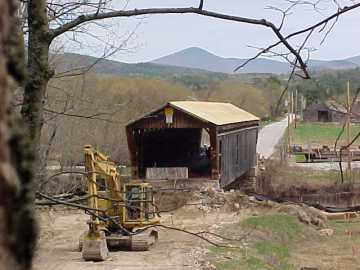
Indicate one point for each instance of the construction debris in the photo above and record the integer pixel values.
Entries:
(326, 232)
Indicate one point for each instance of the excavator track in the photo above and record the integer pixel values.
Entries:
(137, 242)
(143, 241)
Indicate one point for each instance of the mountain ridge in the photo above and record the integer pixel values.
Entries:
(194, 57)
(191, 62)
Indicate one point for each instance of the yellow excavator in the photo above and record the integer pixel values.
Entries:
(122, 214)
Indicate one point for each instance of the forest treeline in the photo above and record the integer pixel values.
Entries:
(94, 108)
(328, 84)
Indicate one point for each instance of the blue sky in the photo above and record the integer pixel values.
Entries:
(158, 35)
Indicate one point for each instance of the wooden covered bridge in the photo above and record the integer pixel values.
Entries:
(193, 140)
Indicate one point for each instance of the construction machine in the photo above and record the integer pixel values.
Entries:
(122, 213)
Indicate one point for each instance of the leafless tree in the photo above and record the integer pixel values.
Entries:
(17, 231)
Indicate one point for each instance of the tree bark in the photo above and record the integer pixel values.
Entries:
(17, 230)
(38, 70)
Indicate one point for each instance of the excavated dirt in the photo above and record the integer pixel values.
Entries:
(212, 211)
(60, 229)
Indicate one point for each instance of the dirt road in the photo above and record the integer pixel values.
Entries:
(277, 239)
(60, 231)
(269, 137)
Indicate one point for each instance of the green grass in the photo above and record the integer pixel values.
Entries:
(280, 175)
(286, 175)
(322, 133)
(281, 242)
(300, 158)
(279, 225)
(278, 249)
(268, 244)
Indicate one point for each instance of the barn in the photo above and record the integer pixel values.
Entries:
(324, 112)
(193, 140)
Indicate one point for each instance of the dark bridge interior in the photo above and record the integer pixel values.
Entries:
(169, 147)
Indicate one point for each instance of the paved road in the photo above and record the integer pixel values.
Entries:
(325, 166)
(269, 137)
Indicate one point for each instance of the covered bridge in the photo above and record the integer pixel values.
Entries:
(193, 140)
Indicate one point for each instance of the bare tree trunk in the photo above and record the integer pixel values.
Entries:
(38, 69)
(17, 230)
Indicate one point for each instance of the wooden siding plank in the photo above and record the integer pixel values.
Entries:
(241, 144)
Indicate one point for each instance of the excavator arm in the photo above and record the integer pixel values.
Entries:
(94, 246)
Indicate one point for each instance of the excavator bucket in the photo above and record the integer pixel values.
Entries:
(95, 248)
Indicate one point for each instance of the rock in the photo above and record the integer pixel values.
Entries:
(318, 213)
(208, 266)
(214, 227)
(326, 232)
(303, 217)
(318, 222)
(236, 206)
(305, 214)
(211, 192)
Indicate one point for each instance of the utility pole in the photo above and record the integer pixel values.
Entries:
(296, 107)
(348, 130)
(292, 106)
(289, 122)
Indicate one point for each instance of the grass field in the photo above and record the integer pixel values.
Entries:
(281, 242)
(318, 134)
(267, 246)
(287, 175)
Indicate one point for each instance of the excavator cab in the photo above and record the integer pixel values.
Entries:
(140, 204)
(122, 215)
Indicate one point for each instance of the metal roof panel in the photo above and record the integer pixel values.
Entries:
(217, 113)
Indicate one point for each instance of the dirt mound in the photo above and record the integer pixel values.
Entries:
(305, 214)
(171, 201)
(206, 200)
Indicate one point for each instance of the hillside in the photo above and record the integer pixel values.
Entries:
(71, 61)
(319, 65)
(192, 78)
(192, 65)
(328, 84)
(355, 60)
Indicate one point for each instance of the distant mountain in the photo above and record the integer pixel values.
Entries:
(332, 64)
(354, 60)
(199, 58)
(202, 59)
(71, 62)
(188, 64)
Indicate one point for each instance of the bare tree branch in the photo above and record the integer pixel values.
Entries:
(191, 10)
(201, 4)
(323, 23)
(93, 116)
